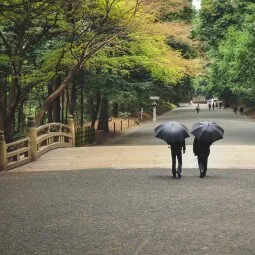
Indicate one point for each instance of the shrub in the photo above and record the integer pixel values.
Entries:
(124, 115)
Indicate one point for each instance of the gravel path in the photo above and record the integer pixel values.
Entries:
(127, 212)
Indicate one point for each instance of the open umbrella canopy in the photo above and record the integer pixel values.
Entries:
(208, 132)
(171, 132)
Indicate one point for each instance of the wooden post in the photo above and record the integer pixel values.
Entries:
(114, 127)
(121, 125)
(32, 134)
(141, 113)
(70, 123)
(3, 152)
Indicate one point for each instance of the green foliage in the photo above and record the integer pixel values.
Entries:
(163, 107)
(215, 19)
(146, 53)
(227, 28)
(186, 50)
(122, 47)
(176, 10)
(124, 115)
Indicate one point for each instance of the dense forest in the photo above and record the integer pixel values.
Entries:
(99, 58)
(91, 59)
(226, 30)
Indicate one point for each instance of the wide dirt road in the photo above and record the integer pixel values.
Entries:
(239, 129)
(138, 148)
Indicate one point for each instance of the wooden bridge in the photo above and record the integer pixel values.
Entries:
(39, 140)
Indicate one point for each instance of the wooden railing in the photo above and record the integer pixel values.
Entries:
(51, 136)
(38, 141)
(18, 153)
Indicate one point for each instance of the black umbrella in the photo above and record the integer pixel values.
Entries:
(171, 132)
(208, 132)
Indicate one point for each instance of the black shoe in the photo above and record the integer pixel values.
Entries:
(174, 176)
(179, 174)
(202, 175)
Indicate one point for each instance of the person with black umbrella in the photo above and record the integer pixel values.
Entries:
(202, 151)
(205, 134)
(174, 134)
(176, 152)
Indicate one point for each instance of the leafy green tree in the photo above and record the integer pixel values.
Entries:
(235, 63)
(93, 25)
(43, 42)
(133, 65)
(81, 28)
(227, 30)
(215, 19)
(23, 25)
(174, 10)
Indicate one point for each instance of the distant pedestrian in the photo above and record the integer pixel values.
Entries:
(235, 109)
(202, 151)
(241, 110)
(176, 152)
(216, 105)
(213, 106)
(198, 108)
(191, 102)
(220, 105)
(209, 106)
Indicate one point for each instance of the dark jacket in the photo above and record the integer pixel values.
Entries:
(201, 148)
(177, 147)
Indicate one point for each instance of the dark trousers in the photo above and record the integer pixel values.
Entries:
(202, 163)
(177, 155)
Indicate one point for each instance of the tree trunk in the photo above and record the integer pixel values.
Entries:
(21, 116)
(3, 96)
(2, 118)
(73, 98)
(82, 106)
(14, 99)
(122, 107)
(9, 127)
(115, 109)
(50, 99)
(103, 115)
(63, 106)
(50, 91)
(56, 102)
(67, 103)
(95, 109)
